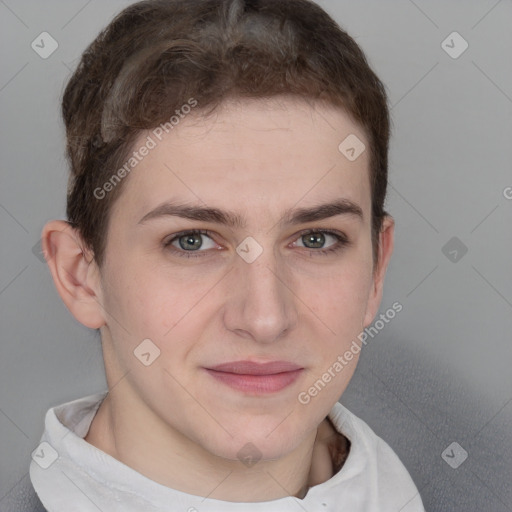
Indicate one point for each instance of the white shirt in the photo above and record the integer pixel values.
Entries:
(71, 475)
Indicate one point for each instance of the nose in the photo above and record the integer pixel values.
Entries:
(261, 304)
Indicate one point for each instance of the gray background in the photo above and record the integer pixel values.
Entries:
(436, 374)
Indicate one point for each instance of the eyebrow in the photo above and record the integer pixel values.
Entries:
(233, 220)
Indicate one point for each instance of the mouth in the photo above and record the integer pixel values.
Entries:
(256, 378)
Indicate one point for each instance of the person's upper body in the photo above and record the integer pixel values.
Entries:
(69, 474)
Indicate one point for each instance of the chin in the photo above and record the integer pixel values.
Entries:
(256, 444)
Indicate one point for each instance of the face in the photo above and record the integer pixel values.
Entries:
(218, 251)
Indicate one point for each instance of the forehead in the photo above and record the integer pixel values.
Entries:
(269, 154)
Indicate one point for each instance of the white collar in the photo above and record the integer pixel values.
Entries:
(89, 479)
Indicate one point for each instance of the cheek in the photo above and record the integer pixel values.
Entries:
(339, 307)
(156, 303)
(340, 298)
(133, 301)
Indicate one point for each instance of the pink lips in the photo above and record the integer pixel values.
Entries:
(257, 378)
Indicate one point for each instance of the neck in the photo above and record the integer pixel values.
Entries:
(121, 428)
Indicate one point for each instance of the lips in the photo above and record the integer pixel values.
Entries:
(256, 378)
(252, 368)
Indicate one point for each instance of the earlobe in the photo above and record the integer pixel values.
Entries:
(74, 272)
(386, 242)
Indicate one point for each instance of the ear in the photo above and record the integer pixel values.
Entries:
(74, 271)
(386, 242)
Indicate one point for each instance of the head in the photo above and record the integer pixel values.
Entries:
(226, 116)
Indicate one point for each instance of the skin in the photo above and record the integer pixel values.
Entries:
(171, 421)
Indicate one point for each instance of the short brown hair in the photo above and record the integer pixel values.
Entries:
(156, 54)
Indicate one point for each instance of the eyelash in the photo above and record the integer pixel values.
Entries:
(342, 242)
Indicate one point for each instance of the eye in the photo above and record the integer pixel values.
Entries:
(187, 242)
(316, 239)
(196, 242)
